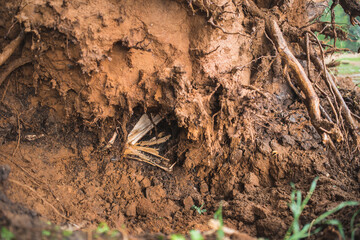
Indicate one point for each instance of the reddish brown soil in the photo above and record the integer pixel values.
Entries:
(99, 65)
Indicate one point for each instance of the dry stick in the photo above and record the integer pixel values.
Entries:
(19, 133)
(211, 21)
(43, 199)
(12, 66)
(10, 48)
(308, 54)
(326, 115)
(331, 104)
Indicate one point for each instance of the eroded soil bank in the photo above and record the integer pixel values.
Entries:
(97, 66)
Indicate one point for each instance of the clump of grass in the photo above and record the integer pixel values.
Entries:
(297, 206)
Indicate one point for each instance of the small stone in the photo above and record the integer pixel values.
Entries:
(260, 212)
(251, 179)
(155, 193)
(145, 183)
(145, 207)
(204, 188)
(263, 146)
(287, 139)
(188, 203)
(292, 119)
(4, 172)
(131, 209)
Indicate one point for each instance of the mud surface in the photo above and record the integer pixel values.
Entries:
(99, 65)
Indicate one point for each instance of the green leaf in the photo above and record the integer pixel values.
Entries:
(196, 235)
(177, 237)
(334, 210)
(352, 228)
(337, 223)
(6, 234)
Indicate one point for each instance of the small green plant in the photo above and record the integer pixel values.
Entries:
(297, 206)
(6, 234)
(196, 235)
(177, 237)
(46, 233)
(102, 228)
(220, 234)
(200, 209)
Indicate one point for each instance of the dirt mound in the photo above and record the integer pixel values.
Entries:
(238, 133)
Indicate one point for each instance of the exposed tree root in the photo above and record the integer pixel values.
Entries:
(12, 66)
(9, 49)
(351, 123)
(311, 100)
(325, 128)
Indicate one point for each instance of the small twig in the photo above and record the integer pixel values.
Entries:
(308, 54)
(327, 81)
(298, 94)
(292, 86)
(330, 102)
(211, 21)
(10, 48)
(201, 53)
(356, 116)
(19, 134)
(326, 115)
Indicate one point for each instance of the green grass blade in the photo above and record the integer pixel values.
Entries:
(352, 221)
(310, 193)
(304, 233)
(337, 208)
(337, 223)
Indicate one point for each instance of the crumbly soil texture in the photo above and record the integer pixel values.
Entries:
(238, 133)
